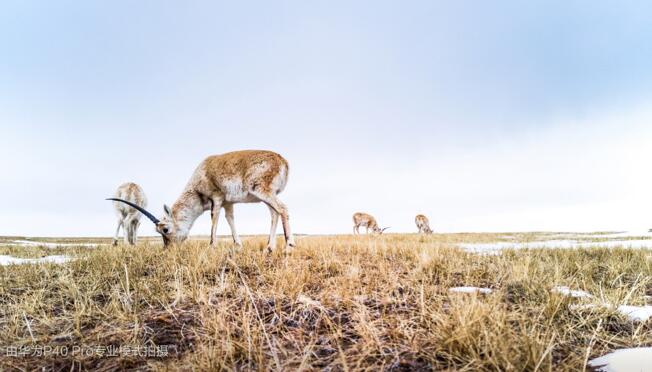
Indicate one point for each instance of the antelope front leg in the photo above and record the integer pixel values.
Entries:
(134, 234)
(215, 215)
(117, 233)
(127, 229)
(228, 211)
(271, 242)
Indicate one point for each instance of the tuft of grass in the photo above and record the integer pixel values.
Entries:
(337, 302)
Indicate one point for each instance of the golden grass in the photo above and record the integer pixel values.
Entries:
(341, 302)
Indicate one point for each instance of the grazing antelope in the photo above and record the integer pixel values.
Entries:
(368, 221)
(128, 217)
(423, 224)
(220, 181)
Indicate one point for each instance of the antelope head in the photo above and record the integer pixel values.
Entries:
(166, 226)
(379, 231)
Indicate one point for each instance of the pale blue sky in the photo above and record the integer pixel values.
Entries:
(504, 115)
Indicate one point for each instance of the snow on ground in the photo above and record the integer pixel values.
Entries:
(636, 314)
(32, 243)
(602, 235)
(598, 235)
(10, 260)
(624, 360)
(636, 244)
(497, 246)
(571, 292)
(623, 234)
(470, 290)
(492, 248)
(567, 241)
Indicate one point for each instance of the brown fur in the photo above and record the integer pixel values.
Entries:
(128, 217)
(422, 224)
(220, 181)
(237, 164)
(365, 220)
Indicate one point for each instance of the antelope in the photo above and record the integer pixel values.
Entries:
(128, 217)
(368, 221)
(423, 224)
(220, 181)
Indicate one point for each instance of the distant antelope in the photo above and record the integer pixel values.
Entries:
(128, 217)
(422, 224)
(368, 221)
(249, 176)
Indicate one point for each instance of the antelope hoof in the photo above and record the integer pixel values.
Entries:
(289, 246)
(270, 249)
(238, 243)
(115, 243)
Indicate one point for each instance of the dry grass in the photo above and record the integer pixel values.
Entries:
(340, 303)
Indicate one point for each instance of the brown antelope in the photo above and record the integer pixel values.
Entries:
(368, 221)
(220, 181)
(128, 217)
(422, 224)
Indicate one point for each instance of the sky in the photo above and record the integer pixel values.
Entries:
(485, 116)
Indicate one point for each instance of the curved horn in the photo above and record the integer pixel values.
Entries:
(139, 208)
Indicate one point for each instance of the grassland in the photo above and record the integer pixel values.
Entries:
(337, 303)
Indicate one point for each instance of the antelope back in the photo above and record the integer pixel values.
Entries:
(130, 192)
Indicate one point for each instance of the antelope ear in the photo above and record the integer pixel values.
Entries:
(167, 210)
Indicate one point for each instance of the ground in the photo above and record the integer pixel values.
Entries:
(337, 302)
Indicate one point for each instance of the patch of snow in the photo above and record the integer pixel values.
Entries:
(10, 260)
(571, 292)
(470, 290)
(600, 235)
(497, 246)
(624, 360)
(32, 243)
(561, 236)
(636, 313)
(623, 234)
(635, 244)
(563, 244)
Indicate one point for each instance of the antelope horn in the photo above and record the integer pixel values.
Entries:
(385, 228)
(139, 208)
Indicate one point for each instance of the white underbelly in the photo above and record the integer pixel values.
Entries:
(240, 197)
(235, 192)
